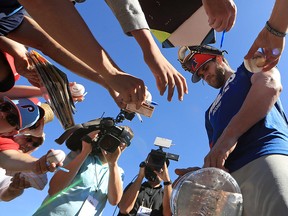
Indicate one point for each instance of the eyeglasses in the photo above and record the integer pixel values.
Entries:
(12, 116)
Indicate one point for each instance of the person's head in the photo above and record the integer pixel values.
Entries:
(28, 143)
(46, 116)
(17, 115)
(205, 62)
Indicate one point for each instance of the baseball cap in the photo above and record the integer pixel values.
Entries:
(28, 112)
(198, 57)
(7, 63)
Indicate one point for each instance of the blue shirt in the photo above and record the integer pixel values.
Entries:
(91, 179)
(268, 136)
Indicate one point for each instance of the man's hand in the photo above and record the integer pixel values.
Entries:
(272, 46)
(220, 152)
(164, 174)
(112, 158)
(165, 74)
(18, 184)
(221, 14)
(41, 166)
(131, 89)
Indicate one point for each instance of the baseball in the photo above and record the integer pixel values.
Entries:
(77, 90)
(55, 156)
(255, 64)
(148, 96)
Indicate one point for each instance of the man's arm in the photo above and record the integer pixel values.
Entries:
(133, 22)
(131, 193)
(272, 44)
(263, 94)
(63, 23)
(164, 175)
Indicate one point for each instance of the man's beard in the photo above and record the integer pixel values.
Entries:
(219, 78)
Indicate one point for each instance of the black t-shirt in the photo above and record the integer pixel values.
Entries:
(148, 197)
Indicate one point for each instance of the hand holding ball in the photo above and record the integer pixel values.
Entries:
(77, 90)
(256, 63)
(55, 156)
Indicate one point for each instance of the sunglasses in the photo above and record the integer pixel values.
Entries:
(12, 116)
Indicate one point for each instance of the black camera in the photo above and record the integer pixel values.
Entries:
(156, 158)
(109, 137)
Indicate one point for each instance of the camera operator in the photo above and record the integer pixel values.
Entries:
(94, 176)
(148, 198)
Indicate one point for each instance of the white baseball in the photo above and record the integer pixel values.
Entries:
(148, 96)
(56, 156)
(77, 90)
(254, 64)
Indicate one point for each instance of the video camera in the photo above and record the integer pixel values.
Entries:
(156, 158)
(109, 138)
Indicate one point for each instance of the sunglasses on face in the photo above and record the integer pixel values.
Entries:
(12, 115)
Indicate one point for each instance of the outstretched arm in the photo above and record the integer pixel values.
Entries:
(272, 43)
(63, 23)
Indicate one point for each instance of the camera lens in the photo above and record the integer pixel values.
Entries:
(109, 143)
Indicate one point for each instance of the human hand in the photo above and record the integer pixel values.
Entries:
(77, 91)
(113, 157)
(41, 166)
(87, 147)
(220, 152)
(163, 173)
(117, 98)
(25, 68)
(141, 173)
(181, 172)
(18, 184)
(130, 88)
(272, 46)
(222, 15)
(165, 74)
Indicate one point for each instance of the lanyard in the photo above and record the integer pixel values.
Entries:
(152, 198)
(98, 183)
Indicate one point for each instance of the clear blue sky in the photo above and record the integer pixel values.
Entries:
(182, 122)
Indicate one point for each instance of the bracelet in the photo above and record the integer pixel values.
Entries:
(87, 139)
(274, 31)
(167, 183)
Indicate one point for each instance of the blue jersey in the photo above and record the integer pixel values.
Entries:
(268, 136)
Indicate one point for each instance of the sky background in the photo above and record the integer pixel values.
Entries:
(182, 122)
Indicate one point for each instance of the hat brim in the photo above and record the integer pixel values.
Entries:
(6, 99)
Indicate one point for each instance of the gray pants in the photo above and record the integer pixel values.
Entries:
(264, 186)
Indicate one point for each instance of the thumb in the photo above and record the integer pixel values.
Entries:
(252, 51)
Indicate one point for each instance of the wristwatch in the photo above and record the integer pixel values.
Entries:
(167, 183)
(87, 139)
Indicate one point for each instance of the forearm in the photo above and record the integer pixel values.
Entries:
(145, 40)
(9, 194)
(61, 179)
(279, 17)
(129, 14)
(166, 200)
(130, 196)
(22, 92)
(115, 189)
(13, 160)
(10, 46)
(54, 15)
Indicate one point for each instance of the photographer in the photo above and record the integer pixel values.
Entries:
(148, 198)
(93, 177)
